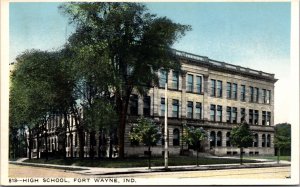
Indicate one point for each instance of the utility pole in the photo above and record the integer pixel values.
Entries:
(166, 127)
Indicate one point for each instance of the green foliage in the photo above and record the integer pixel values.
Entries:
(145, 131)
(100, 114)
(120, 42)
(194, 136)
(282, 137)
(241, 136)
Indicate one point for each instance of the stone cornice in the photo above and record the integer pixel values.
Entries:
(224, 67)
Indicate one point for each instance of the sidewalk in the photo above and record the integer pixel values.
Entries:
(116, 171)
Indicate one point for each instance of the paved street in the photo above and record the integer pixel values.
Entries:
(28, 171)
(259, 173)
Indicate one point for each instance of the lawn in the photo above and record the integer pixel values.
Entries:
(138, 162)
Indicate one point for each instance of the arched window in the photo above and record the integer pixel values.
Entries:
(176, 137)
(228, 144)
(268, 140)
(255, 143)
(219, 138)
(263, 141)
(212, 139)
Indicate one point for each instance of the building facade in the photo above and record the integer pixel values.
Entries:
(206, 93)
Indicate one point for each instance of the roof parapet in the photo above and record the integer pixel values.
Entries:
(221, 64)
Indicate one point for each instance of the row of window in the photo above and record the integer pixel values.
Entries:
(194, 111)
(232, 92)
(216, 140)
(231, 115)
(133, 105)
(193, 83)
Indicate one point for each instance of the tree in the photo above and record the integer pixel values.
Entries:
(39, 88)
(194, 137)
(241, 137)
(282, 139)
(146, 132)
(127, 42)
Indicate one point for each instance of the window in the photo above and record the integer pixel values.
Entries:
(213, 88)
(175, 108)
(264, 117)
(268, 118)
(147, 103)
(198, 111)
(256, 94)
(219, 88)
(256, 140)
(134, 105)
(212, 113)
(228, 90)
(268, 96)
(176, 136)
(234, 91)
(163, 78)
(243, 114)
(251, 94)
(243, 93)
(264, 94)
(219, 113)
(219, 138)
(263, 140)
(228, 144)
(250, 116)
(198, 84)
(228, 114)
(175, 81)
(162, 107)
(256, 117)
(189, 109)
(268, 140)
(190, 82)
(234, 114)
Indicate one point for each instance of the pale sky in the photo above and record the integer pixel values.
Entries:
(254, 35)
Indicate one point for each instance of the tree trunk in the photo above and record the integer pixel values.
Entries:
(29, 144)
(38, 145)
(46, 144)
(197, 157)
(121, 132)
(123, 106)
(241, 155)
(149, 157)
(278, 155)
(81, 143)
(110, 145)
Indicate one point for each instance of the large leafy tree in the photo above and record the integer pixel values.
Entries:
(30, 98)
(194, 137)
(282, 140)
(127, 44)
(39, 88)
(146, 132)
(242, 137)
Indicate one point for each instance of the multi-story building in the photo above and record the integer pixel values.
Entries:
(206, 93)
